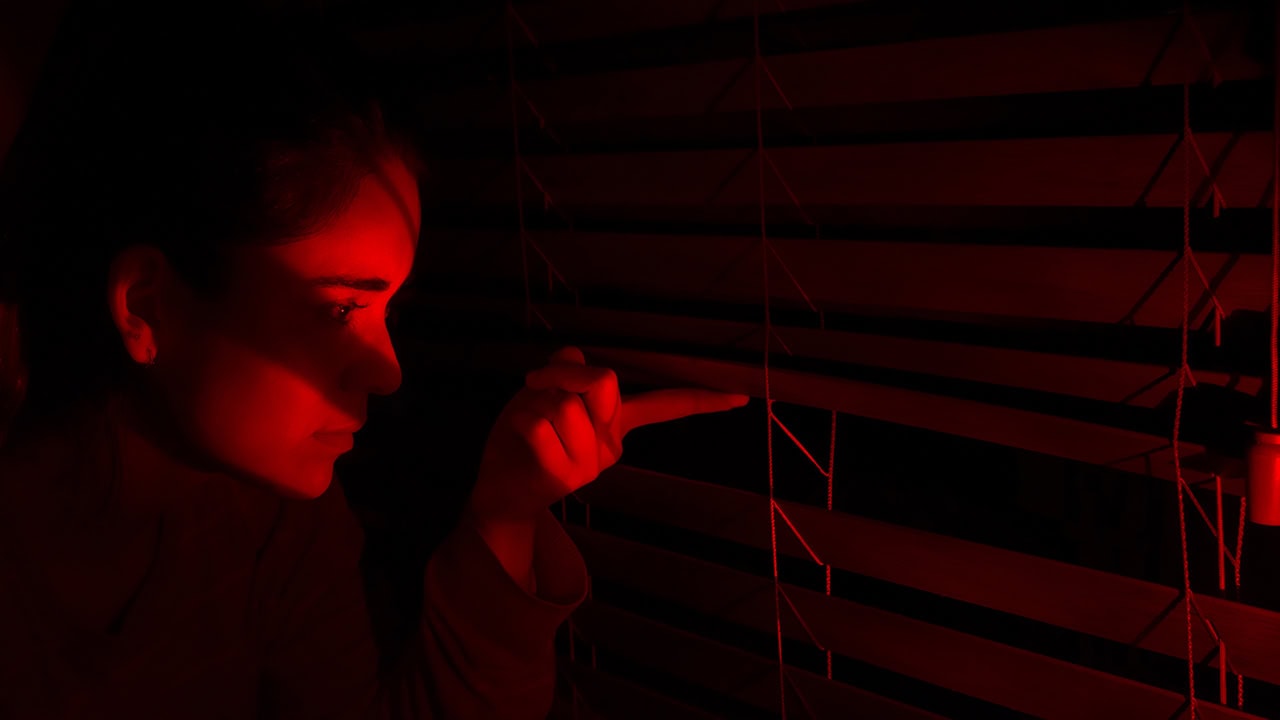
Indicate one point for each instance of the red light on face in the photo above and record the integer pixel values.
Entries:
(341, 441)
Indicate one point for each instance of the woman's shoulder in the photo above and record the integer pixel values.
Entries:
(36, 481)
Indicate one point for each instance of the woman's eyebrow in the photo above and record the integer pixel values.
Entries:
(370, 284)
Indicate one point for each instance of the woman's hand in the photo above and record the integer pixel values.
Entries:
(563, 429)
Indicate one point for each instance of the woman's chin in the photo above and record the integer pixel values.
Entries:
(305, 484)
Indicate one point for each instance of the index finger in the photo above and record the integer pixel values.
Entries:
(666, 405)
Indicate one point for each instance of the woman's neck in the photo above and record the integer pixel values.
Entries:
(118, 457)
(161, 466)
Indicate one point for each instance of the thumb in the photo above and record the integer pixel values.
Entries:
(567, 355)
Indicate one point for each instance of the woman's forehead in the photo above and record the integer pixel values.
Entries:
(375, 236)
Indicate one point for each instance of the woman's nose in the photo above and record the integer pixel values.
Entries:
(376, 370)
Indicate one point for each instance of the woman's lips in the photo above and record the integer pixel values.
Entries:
(342, 441)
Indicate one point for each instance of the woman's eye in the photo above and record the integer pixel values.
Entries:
(341, 312)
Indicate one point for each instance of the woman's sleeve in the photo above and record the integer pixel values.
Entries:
(485, 646)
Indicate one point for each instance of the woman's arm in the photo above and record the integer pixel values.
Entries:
(484, 649)
(487, 643)
(511, 542)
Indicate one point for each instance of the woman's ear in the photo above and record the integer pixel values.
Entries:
(137, 282)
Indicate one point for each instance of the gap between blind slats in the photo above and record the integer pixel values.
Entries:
(1130, 383)
(1096, 56)
(981, 282)
(994, 672)
(1118, 171)
(727, 670)
(1106, 605)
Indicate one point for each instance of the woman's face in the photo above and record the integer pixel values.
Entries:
(272, 377)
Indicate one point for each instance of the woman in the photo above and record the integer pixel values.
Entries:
(209, 227)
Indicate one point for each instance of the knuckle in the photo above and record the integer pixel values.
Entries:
(523, 423)
(565, 401)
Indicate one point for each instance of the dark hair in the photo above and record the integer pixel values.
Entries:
(189, 138)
